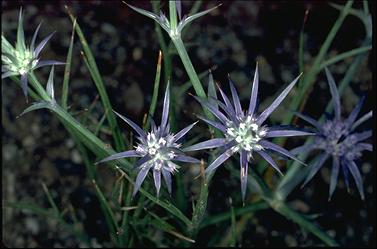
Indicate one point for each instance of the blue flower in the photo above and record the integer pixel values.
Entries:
(21, 60)
(337, 138)
(244, 132)
(157, 149)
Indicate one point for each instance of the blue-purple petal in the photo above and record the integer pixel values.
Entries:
(209, 144)
(129, 153)
(186, 159)
(355, 112)
(32, 44)
(139, 179)
(236, 99)
(41, 45)
(213, 109)
(48, 63)
(165, 110)
(271, 146)
(141, 161)
(215, 124)
(315, 167)
(302, 148)
(309, 120)
(334, 94)
(133, 125)
(254, 92)
(157, 180)
(183, 132)
(24, 83)
(334, 175)
(356, 175)
(167, 177)
(264, 115)
(362, 120)
(287, 133)
(226, 99)
(219, 160)
(243, 172)
(362, 135)
(269, 159)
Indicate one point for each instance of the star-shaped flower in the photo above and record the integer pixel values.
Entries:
(21, 60)
(159, 149)
(244, 131)
(337, 138)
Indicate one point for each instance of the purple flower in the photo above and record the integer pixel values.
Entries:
(338, 139)
(21, 60)
(244, 131)
(157, 150)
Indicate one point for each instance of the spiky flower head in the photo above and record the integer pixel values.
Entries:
(170, 26)
(244, 132)
(337, 138)
(21, 60)
(158, 150)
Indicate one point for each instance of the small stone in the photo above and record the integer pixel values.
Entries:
(32, 225)
(76, 157)
(290, 240)
(137, 53)
(28, 141)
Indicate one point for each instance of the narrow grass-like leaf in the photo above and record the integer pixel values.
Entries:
(100, 124)
(233, 226)
(101, 150)
(249, 208)
(48, 214)
(67, 69)
(163, 225)
(189, 19)
(164, 23)
(152, 107)
(96, 76)
(51, 200)
(309, 77)
(298, 218)
(20, 44)
(114, 227)
(50, 85)
(345, 55)
(36, 106)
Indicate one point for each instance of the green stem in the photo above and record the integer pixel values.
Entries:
(38, 87)
(67, 70)
(96, 76)
(250, 208)
(309, 77)
(298, 218)
(345, 55)
(152, 108)
(161, 40)
(173, 15)
(101, 150)
(114, 227)
(299, 100)
(200, 207)
(189, 67)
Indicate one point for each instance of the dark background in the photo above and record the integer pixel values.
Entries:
(232, 38)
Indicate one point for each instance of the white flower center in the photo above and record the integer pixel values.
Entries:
(157, 148)
(24, 62)
(246, 133)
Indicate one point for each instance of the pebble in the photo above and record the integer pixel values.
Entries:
(32, 225)
(76, 157)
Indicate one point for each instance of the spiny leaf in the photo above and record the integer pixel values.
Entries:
(189, 19)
